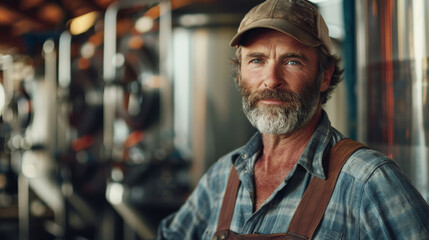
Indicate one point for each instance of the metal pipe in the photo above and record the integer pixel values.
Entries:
(109, 66)
(6, 65)
(64, 79)
(50, 56)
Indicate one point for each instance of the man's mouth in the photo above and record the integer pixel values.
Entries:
(272, 101)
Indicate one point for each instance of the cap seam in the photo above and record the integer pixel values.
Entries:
(273, 7)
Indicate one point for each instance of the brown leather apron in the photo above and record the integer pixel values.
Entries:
(310, 209)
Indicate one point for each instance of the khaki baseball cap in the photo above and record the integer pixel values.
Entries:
(296, 18)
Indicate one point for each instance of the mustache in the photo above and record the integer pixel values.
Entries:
(271, 94)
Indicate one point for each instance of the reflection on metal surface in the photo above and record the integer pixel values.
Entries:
(393, 61)
(82, 23)
(6, 81)
(64, 60)
(144, 24)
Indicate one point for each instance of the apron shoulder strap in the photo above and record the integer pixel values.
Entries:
(228, 202)
(313, 203)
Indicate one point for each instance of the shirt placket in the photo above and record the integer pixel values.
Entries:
(253, 223)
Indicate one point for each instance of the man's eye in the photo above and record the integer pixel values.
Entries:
(292, 62)
(256, 61)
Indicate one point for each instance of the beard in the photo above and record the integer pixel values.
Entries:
(293, 114)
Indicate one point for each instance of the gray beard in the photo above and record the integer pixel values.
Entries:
(284, 119)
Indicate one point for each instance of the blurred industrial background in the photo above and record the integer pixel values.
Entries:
(110, 111)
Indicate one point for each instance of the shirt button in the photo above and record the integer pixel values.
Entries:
(244, 156)
(223, 236)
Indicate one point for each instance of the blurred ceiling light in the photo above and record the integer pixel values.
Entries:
(6, 16)
(82, 23)
(87, 50)
(51, 13)
(144, 24)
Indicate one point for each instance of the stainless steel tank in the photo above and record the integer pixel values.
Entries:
(393, 76)
(209, 121)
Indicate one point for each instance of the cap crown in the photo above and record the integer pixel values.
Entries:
(297, 18)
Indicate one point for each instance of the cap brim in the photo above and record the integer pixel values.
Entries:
(281, 26)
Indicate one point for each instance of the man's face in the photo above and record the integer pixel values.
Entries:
(279, 82)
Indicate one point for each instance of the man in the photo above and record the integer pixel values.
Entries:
(285, 70)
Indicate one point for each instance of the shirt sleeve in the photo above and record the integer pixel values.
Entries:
(391, 207)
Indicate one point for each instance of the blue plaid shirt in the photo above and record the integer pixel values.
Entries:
(372, 198)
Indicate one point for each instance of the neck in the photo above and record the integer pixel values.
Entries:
(286, 149)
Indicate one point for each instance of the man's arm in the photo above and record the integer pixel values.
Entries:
(392, 208)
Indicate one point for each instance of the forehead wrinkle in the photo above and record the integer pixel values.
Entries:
(255, 54)
(258, 54)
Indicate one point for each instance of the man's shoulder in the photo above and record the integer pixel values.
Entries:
(364, 162)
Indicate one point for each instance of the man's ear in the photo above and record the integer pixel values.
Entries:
(326, 79)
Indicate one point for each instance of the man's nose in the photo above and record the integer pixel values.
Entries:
(273, 77)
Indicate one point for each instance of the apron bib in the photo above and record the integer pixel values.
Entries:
(310, 209)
